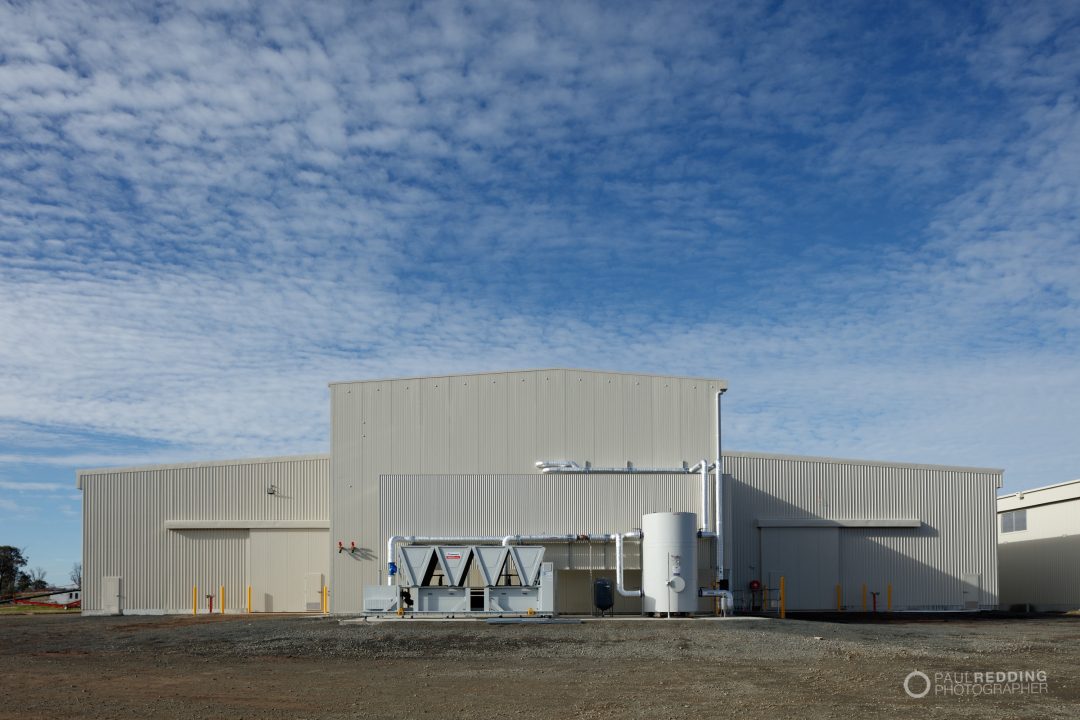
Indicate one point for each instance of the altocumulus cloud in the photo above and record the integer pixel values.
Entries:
(864, 218)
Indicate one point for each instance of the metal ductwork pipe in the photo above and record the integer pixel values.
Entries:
(704, 466)
(620, 586)
(718, 500)
(510, 539)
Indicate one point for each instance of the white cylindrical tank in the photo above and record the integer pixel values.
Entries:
(669, 562)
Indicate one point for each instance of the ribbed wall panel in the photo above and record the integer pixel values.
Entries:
(926, 566)
(124, 532)
(1043, 573)
(500, 505)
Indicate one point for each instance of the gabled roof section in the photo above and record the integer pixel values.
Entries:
(80, 474)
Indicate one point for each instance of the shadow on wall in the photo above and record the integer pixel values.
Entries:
(1041, 575)
(928, 567)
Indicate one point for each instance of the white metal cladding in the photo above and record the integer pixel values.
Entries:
(497, 423)
(926, 566)
(125, 512)
(528, 504)
(1042, 573)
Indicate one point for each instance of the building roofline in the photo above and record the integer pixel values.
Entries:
(80, 474)
(722, 383)
(857, 461)
(1039, 489)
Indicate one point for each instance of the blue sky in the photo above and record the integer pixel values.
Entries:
(863, 216)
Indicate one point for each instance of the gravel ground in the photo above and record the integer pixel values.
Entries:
(306, 667)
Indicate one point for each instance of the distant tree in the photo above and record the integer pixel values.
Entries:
(76, 575)
(36, 579)
(12, 561)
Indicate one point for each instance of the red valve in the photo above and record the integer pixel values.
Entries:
(340, 546)
(353, 544)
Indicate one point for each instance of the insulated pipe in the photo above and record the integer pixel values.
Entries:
(629, 470)
(510, 539)
(727, 602)
(619, 585)
(704, 465)
(558, 464)
(718, 509)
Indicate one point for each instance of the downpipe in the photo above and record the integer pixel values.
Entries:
(620, 585)
(718, 490)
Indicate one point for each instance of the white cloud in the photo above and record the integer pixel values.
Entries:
(31, 487)
(205, 221)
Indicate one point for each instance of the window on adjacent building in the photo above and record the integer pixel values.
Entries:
(1013, 520)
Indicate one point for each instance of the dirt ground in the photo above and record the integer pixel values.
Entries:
(305, 667)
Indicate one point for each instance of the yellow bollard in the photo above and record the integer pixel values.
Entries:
(888, 597)
(864, 597)
(324, 599)
(839, 598)
(249, 599)
(221, 595)
(783, 599)
(194, 599)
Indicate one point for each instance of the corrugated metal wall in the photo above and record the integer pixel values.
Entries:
(1043, 573)
(496, 424)
(125, 512)
(926, 566)
(528, 504)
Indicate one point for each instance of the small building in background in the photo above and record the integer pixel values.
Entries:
(65, 597)
(1039, 548)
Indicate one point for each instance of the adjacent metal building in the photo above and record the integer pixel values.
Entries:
(155, 536)
(920, 536)
(457, 455)
(1039, 548)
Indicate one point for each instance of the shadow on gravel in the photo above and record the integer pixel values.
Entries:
(907, 618)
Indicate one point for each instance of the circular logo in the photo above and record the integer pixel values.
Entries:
(907, 684)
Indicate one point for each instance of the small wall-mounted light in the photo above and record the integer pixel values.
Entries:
(272, 490)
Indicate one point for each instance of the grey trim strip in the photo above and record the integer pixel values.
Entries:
(247, 524)
(845, 522)
(521, 371)
(856, 461)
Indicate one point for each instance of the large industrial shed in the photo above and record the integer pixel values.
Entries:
(1039, 550)
(457, 456)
